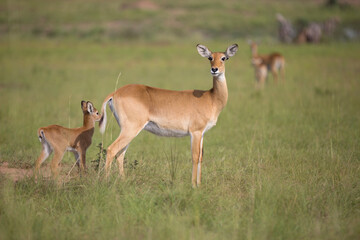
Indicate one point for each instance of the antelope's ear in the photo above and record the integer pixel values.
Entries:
(90, 107)
(249, 42)
(203, 51)
(230, 51)
(83, 105)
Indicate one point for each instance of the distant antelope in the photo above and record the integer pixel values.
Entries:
(60, 139)
(261, 72)
(168, 113)
(274, 62)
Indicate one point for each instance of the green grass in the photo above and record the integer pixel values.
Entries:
(282, 163)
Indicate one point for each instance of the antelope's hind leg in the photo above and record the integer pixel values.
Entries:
(58, 155)
(120, 145)
(275, 74)
(45, 153)
(120, 160)
(282, 71)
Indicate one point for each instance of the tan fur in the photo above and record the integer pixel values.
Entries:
(274, 62)
(60, 139)
(189, 112)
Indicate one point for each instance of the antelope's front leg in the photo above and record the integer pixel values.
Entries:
(83, 161)
(196, 149)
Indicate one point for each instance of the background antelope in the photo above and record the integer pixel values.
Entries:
(60, 139)
(261, 71)
(274, 62)
(168, 113)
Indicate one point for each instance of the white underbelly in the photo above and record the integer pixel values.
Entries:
(164, 132)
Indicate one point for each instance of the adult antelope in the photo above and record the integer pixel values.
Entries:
(60, 139)
(168, 113)
(274, 62)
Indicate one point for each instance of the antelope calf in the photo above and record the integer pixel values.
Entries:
(58, 139)
(274, 62)
(169, 113)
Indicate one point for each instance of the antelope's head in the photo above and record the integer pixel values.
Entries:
(88, 108)
(217, 59)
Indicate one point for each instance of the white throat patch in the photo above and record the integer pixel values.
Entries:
(221, 77)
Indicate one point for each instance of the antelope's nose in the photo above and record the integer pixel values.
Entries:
(214, 70)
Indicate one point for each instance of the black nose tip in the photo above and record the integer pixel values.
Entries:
(214, 69)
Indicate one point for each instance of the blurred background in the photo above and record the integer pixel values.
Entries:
(163, 21)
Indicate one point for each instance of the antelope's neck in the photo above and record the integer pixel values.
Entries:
(219, 92)
(88, 122)
(254, 52)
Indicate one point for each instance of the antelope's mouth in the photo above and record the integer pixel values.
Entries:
(215, 74)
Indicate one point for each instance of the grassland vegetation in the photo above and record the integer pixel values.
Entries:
(281, 163)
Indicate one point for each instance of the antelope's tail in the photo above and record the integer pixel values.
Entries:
(109, 100)
(41, 135)
(103, 120)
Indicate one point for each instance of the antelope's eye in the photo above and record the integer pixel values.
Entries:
(223, 58)
(97, 113)
(210, 58)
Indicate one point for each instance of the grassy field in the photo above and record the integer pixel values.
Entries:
(281, 163)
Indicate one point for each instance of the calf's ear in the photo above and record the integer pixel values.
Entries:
(90, 107)
(83, 105)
